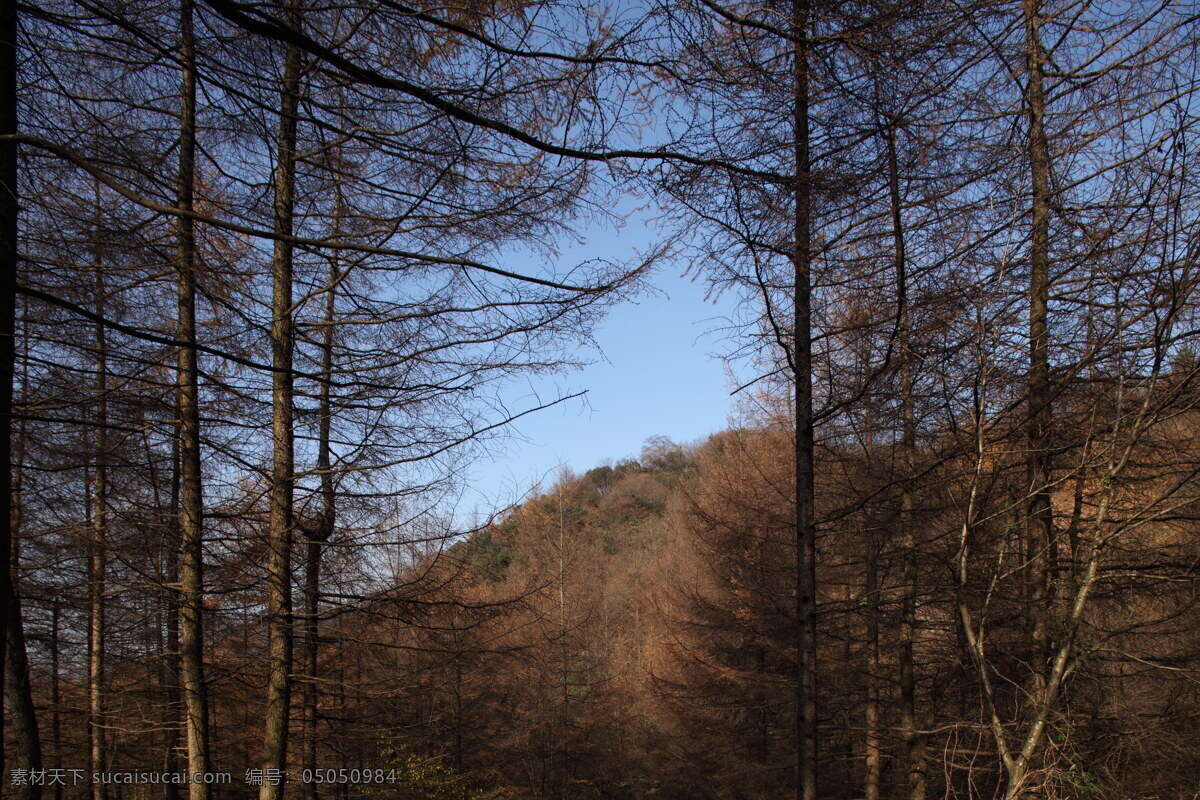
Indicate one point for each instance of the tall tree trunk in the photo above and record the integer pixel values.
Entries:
(18, 685)
(279, 601)
(1039, 519)
(457, 754)
(1038, 432)
(191, 522)
(324, 527)
(97, 545)
(343, 727)
(312, 586)
(172, 666)
(20, 697)
(564, 663)
(910, 729)
(55, 694)
(8, 291)
(873, 757)
(805, 537)
(872, 597)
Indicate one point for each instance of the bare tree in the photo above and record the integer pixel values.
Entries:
(191, 508)
(8, 286)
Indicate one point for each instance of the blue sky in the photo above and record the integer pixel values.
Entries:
(655, 374)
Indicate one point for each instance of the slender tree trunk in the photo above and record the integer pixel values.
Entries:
(55, 694)
(8, 291)
(20, 697)
(191, 520)
(873, 753)
(343, 725)
(1038, 432)
(458, 702)
(97, 555)
(564, 659)
(806, 543)
(279, 602)
(325, 525)
(1039, 519)
(873, 758)
(172, 666)
(312, 578)
(18, 686)
(910, 729)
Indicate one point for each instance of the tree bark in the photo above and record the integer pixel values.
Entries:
(1039, 521)
(805, 536)
(324, 528)
(21, 697)
(172, 666)
(8, 291)
(18, 685)
(279, 601)
(873, 758)
(191, 579)
(914, 739)
(1039, 518)
(312, 585)
(55, 695)
(564, 662)
(97, 545)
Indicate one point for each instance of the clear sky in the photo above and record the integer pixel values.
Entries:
(655, 375)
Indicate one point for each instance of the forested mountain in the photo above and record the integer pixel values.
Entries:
(650, 649)
(270, 271)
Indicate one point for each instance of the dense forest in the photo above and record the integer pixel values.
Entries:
(269, 270)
